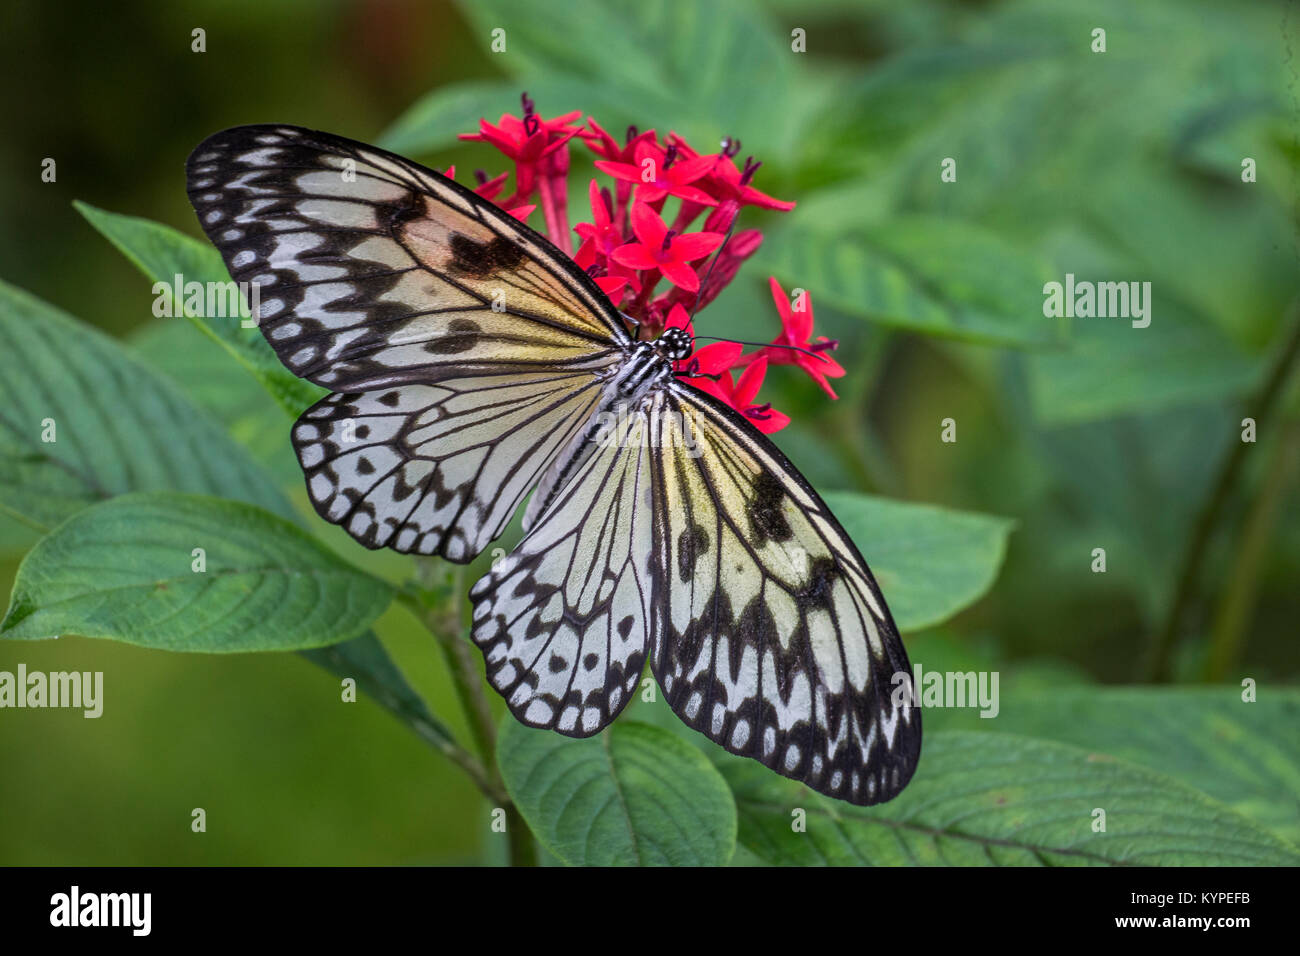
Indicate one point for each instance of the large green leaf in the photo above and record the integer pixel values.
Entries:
(162, 254)
(125, 569)
(205, 371)
(689, 84)
(633, 795)
(117, 426)
(930, 562)
(998, 799)
(1112, 368)
(939, 277)
(435, 120)
(1245, 754)
(1023, 105)
(365, 660)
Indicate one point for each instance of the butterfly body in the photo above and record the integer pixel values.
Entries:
(472, 364)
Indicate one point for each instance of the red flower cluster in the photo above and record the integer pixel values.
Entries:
(628, 247)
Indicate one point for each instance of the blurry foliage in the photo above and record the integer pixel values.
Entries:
(1079, 434)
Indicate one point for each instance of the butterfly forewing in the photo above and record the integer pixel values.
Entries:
(764, 627)
(464, 350)
(372, 271)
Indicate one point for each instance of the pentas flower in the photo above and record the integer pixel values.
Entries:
(645, 226)
(605, 146)
(794, 343)
(740, 396)
(657, 247)
(728, 182)
(659, 173)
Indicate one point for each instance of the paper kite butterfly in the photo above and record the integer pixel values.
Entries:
(661, 523)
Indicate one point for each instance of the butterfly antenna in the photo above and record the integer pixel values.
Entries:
(768, 345)
(695, 307)
(708, 273)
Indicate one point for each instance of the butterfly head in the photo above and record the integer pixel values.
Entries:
(675, 344)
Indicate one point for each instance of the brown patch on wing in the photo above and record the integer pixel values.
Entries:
(477, 259)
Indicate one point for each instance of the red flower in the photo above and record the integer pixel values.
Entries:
(527, 141)
(602, 233)
(612, 280)
(796, 330)
(670, 174)
(711, 368)
(605, 146)
(725, 181)
(490, 188)
(627, 247)
(658, 248)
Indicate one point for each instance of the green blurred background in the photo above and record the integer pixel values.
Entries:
(1122, 165)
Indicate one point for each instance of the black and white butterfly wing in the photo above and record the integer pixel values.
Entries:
(563, 620)
(438, 469)
(772, 637)
(689, 537)
(397, 288)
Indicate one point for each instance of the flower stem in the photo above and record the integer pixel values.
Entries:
(555, 201)
(1258, 407)
(439, 607)
(1232, 620)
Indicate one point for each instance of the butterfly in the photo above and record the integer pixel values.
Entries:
(469, 363)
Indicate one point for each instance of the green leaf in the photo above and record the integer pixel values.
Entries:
(982, 799)
(117, 426)
(688, 85)
(1244, 754)
(937, 277)
(435, 120)
(633, 795)
(202, 369)
(365, 660)
(1112, 368)
(125, 570)
(162, 254)
(930, 562)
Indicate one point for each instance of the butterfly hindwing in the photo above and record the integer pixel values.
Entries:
(373, 271)
(438, 469)
(763, 624)
(563, 619)
(776, 642)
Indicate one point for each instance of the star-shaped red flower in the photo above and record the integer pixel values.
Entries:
(670, 174)
(657, 248)
(725, 181)
(796, 330)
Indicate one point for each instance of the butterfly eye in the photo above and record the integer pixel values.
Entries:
(676, 344)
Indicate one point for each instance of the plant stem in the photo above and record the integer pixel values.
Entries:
(439, 607)
(1233, 617)
(1258, 407)
(555, 205)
